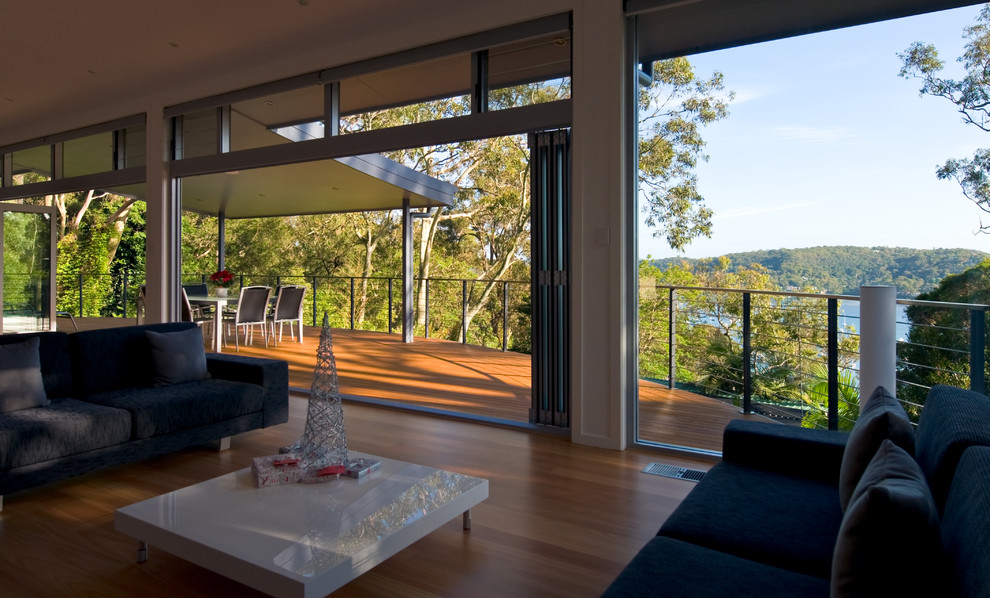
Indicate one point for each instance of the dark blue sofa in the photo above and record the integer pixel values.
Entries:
(766, 520)
(104, 409)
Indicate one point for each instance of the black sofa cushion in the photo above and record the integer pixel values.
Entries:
(64, 427)
(177, 357)
(674, 569)
(891, 520)
(115, 358)
(952, 420)
(785, 521)
(965, 526)
(880, 418)
(21, 386)
(166, 409)
(53, 351)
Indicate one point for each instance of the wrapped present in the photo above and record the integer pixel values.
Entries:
(275, 470)
(326, 474)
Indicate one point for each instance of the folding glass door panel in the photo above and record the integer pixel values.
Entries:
(551, 256)
(27, 268)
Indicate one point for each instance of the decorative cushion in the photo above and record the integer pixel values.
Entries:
(21, 386)
(882, 417)
(891, 522)
(177, 357)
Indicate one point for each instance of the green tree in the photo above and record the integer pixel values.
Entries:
(970, 95)
(672, 112)
(937, 351)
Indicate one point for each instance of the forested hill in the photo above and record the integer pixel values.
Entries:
(842, 269)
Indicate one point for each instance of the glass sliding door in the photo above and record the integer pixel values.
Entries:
(27, 268)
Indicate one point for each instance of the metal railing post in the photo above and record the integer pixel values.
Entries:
(747, 356)
(672, 340)
(352, 303)
(833, 364)
(390, 305)
(123, 293)
(426, 319)
(977, 350)
(464, 311)
(314, 300)
(505, 316)
(80, 294)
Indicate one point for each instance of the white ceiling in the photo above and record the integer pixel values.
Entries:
(76, 55)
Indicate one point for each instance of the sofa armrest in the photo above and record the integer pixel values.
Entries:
(791, 450)
(271, 374)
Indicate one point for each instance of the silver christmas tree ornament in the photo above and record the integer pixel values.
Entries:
(323, 442)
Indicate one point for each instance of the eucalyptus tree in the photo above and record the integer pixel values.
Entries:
(971, 98)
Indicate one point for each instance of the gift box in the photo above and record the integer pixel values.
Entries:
(275, 470)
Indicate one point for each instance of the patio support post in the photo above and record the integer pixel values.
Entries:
(878, 340)
(390, 307)
(221, 239)
(407, 272)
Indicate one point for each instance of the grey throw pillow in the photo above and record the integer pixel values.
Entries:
(177, 357)
(21, 386)
(880, 418)
(891, 523)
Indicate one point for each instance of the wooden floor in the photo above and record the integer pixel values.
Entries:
(469, 379)
(562, 519)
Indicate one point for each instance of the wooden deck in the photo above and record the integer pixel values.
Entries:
(471, 380)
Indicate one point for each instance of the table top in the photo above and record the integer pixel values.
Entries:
(301, 539)
(213, 298)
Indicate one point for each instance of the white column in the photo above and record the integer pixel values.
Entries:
(877, 340)
(161, 251)
(599, 272)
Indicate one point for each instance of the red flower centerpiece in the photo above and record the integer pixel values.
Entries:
(222, 279)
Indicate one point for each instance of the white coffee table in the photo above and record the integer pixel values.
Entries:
(301, 539)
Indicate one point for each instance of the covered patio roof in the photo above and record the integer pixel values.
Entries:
(369, 182)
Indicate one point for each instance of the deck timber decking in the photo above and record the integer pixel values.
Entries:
(468, 379)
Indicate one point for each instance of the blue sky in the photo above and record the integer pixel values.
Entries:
(826, 145)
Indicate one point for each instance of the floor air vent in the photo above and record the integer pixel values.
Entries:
(670, 471)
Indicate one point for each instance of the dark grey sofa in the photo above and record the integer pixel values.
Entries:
(104, 409)
(766, 520)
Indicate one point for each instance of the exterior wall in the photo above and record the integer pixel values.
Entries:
(599, 272)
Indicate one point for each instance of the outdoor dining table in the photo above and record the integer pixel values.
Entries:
(218, 304)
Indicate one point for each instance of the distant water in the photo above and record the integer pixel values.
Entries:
(849, 317)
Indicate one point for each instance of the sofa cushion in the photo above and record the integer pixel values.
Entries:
(64, 427)
(785, 521)
(165, 409)
(882, 417)
(952, 420)
(675, 569)
(115, 358)
(21, 386)
(177, 357)
(56, 369)
(891, 521)
(965, 525)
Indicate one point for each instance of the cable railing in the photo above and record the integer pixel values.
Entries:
(789, 356)
(794, 356)
(447, 308)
